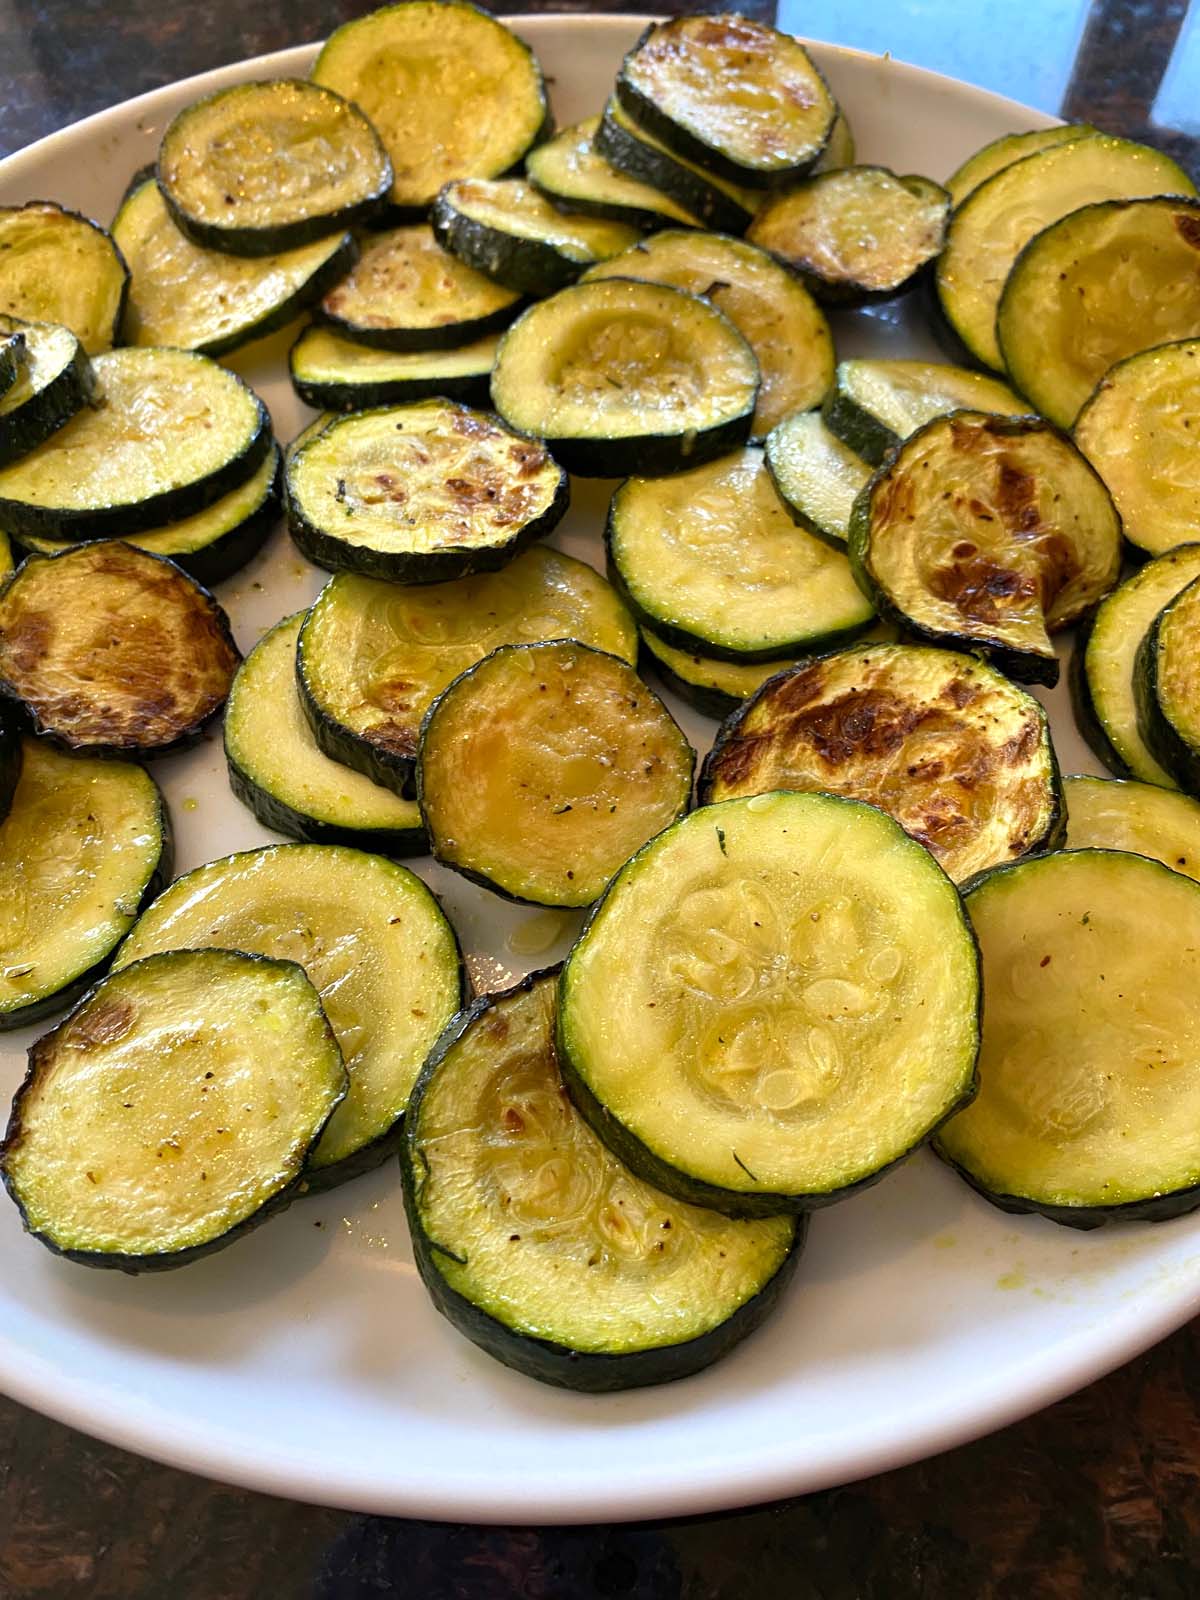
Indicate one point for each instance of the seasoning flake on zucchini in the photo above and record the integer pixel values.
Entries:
(54, 383)
(1166, 687)
(875, 405)
(336, 374)
(572, 173)
(1116, 814)
(56, 266)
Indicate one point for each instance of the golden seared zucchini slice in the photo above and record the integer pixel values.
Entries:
(1111, 814)
(172, 1110)
(776, 1000)
(56, 266)
(875, 405)
(572, 173)
(713, 687)
(373, 656)
(55, 381)
(769, 307)
(85, 846)
(733, 94)
(1002, 152)
(421, 493)
(1166, 687)
(544, 767)
(336, 374)
(856, 234)
(631, 149)
(372, 939)
(817, 477)
(1089, 1074)
(111, 651)
(710, 560)
(540, 1246)
(942, 742)
(987, 533)
(621, 377)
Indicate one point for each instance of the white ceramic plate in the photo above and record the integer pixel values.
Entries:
(306, 1359)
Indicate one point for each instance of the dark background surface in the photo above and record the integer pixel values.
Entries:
(1097, 1498)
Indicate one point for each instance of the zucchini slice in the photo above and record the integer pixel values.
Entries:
(172, 1110)
(1111, 814)
(56, 266)
(421, 493)
(816, 476)
(540, 1246)
(6, 560)
(857, 234)
(407, 293)
(336, 374)
(1166, 687)
(622, 376)
(945, 744)
(374, 656)
(85, 846)
(544, 767)
(776, 1000)
(169, 433)
(10, 762)
(1104, 283)
(714, 688)
(875, 405)
(277, 769)
(371, 938)
(509, 230)
(1103, 662)
(12, 356)
(632, 150)
(733, 94)
(711, 561)
(271, 166)
(1089, 1080)
(192, 298)
(572, 173)
(1139, 430)
(55, 383)
(111, 651)
(774, 313)
(1002, 152)
(992, 226)
(988, 533)
(452, 92)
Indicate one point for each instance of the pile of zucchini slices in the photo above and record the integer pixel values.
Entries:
(882, 919)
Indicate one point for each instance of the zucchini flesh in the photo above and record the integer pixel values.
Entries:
(710, 560)
(56, 266)
(421, 493)
(10, 762)
(875, 405)
(403, 65)
(1108, 814)
(12, 357)
(987, 533)
(733, 94)
(111, 651)
(329, 372)
(755, 1016)
(373, 656)
(55, 382)
(815, 475)
(6, 560)
(570, 171)
(992, 226)
(371, 938)
(543, 768)
(172, 1109)
(84, 847)
(621, 376)
(1166, 686)
(775, 314)
(192, 298)
(631, 149)
(713, 687)
(277, 769)
(1102, 284)
(539, 1245)
(1002, 152)
(957, 754)
(1089, 1077)
(169, 433)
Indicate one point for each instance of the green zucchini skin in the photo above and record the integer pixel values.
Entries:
(1164, 741)
(10, 762)
(44, 412)
(714, 207)
(528, 266)
(1087, 719)
(333, 395)
(281, 818)
(1161, 1208)
(709, 702)
(652, 456)
(339, 743)
(856, 428)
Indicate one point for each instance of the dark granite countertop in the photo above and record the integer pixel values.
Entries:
(1097, 1498)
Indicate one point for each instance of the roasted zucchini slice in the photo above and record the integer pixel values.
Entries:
(621, 376)
(172, 1110)
(1166, 687)
(192, 298)
(56, 266)
(55, 382)
(875, 405)
(12, 356)
(988, 533)
(111, 651)
(1102, 284)
(992, 226)
(773, 312)
(421, 493)
(540, 1246)
(734, 95)
(452, 92)
(816, 476)
(633, 150)
(857, 234)
(372, 939)
(336, 374)
(85, 846)
(942, 742)
(544, 767)
(572, 173)
(714, 688)
(711, 561)
(10, 760)
(1002, 152)
(776, 1000)
(373, 656)
(1108, 814)
(1089, 1076)
(278, 771)
(169, 433)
